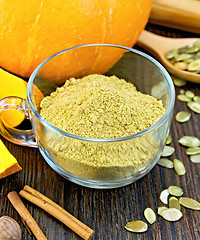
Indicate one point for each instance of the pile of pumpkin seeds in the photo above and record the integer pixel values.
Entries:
(171, 213)
(186, 58)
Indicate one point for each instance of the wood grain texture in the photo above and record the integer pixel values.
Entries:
(107, 211)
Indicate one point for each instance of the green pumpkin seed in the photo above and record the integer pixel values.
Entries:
(195, 158)
(150, 215)
(178, 81)
(136, 226)
(189, 94)
(161, 209)
(189, 203)
(169, 139)
(189, 141)
(174, 203)
(183, 116)
(197, 44)
(182, 91)
(181, 65)
(183, 98)
(182, 57)
(193, 151)
(193, 66)
(179, 167)
(164, 162)
(164, 196)
(175, 191)
(171, 214)
(194, 106)
(168, 151)
(170, 54)
(192, 49)
(197, 99)
(183, 49)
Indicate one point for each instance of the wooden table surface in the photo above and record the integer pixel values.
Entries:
(108, 211)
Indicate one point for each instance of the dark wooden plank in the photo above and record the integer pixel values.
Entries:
(107, 211)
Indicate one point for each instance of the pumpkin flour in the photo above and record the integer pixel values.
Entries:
(98, 106)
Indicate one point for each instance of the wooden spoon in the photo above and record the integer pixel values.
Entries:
(158, 46)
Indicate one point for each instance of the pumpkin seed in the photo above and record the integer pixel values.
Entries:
(164, 162)
(179, 167)
(189, 203)
(195, 158)
(197, 44)
(164, 196)
(179, 82)
(168, 151)
(193, 66)
(183, 98)
(192, 49)
(197, 99)
(183, 116)
(189, 141)
(170, 54)
(181, 65)
(193, 151)
(182, 57)
(182, 91)
(189, 94)
(161, 209)
(174, 203)
(169, 139)
(136, 226)
(194, 106)
(183, 49)
(172, 214)
(150, 215)
(175, 191)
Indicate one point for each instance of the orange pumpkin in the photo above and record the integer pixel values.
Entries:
(31, 31)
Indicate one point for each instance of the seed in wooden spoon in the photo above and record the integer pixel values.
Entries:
(193, 151)
(181, 65)
(194, 106)
(169, 139)
(175, 191)
(9, 229)
(164, 162)
(182, 57)
(160, 209)
(189, 203)
(189, 94)
(168, 151)
(164, 196)
(183, 116)
(193, 66)
(195, 158)
(197, 99)
(174, 203)
(183, 98)
(179, 167)
(136, 226)
(178, 82)
(197, 44)
(189, 141)
(171, 214)
(170, 54)
(150, 215)
(192, 49)
(183, 49)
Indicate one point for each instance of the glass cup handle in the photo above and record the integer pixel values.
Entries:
(17, 136)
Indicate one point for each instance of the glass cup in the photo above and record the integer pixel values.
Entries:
(92, 162)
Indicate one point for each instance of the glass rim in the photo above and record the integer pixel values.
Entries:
(147, 130)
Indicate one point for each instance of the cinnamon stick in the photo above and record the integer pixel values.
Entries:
(58, 212)
(25, 215)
